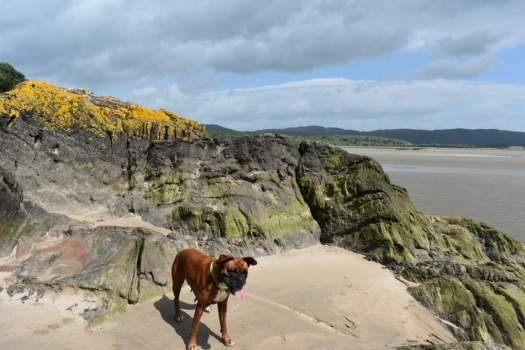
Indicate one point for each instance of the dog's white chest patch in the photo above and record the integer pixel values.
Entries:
(221, 295)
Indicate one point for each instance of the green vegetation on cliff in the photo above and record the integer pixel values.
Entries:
(102, 116)
(9, 77)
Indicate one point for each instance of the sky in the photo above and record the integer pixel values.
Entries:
(251, 65)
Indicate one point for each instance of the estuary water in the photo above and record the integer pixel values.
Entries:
(483, 184)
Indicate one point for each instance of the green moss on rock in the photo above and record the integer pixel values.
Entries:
(499, 315)
(445, 295)
(112, 305)
(357, 207)
(469, 273)
(165, 189)
(232, 222)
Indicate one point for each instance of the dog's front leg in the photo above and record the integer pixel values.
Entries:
(192, 343)
(223, 309)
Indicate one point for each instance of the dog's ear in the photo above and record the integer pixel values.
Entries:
(250, 261)
(224, 259)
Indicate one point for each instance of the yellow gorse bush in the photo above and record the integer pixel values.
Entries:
(69, 109)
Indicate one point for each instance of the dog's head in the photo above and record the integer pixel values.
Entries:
(234, 271)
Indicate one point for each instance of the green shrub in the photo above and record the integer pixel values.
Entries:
(9, 77)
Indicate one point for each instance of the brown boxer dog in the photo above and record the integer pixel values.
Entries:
(212, 281)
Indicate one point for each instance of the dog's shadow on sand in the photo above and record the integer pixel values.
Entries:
(167, 311)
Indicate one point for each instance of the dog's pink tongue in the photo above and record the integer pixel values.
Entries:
(240, 293)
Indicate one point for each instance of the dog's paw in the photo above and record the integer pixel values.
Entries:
(179, 318)
(192, 347)
(208, 309)
(228, 342)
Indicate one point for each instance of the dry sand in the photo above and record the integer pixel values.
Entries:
(315, 298)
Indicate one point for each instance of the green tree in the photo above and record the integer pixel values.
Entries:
(9, 77)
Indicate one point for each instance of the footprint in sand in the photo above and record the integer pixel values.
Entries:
(68, 320)
(46, 331)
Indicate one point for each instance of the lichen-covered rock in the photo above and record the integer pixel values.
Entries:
(476, 281)
(239, 189)
(468, 273)
(358, 208)
(80, 110)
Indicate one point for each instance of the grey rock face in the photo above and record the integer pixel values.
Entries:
(22, 222)
(243, 190)
(237, 196)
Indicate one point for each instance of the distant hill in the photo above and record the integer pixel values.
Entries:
(476, 137)
(335, 136)
(466, 137)
(314, 130)
(215, 127)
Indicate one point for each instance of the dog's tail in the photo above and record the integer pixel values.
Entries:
(177, 275)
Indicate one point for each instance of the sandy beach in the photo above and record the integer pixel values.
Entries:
(315, 298)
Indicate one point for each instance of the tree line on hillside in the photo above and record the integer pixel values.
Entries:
(395, 137)
(337, 140)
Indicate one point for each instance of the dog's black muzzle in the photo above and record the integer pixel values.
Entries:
(235, 281)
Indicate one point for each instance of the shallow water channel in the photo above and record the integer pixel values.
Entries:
(484, 184)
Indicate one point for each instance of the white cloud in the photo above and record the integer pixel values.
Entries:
(146, 91)
(448, 68)
(361, 105)
(175, 54)
(470, 44)
(101, 42)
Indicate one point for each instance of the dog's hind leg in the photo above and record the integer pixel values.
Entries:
(192, 343)
(178, 280)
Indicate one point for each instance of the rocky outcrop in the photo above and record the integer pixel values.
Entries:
(476, 281)
(468, 273)
(358, 208)
(21, 222)
(241, 189)
(73, 151)
(253, 195)
(127, 262)
(103, 117)
(118, 265)
(234, 196)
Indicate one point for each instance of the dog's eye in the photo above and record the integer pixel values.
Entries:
(233, 271)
